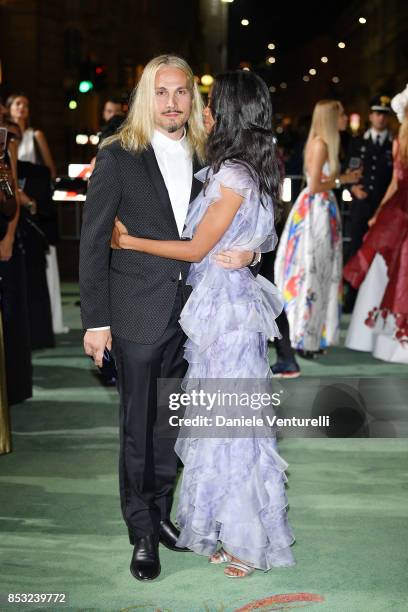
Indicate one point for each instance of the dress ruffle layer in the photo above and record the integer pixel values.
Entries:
(383, 321)
(234, 492)
(223, 302)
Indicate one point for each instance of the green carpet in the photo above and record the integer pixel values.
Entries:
(62, 531)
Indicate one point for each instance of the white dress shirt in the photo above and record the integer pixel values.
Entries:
(383, 134)
(175, 162)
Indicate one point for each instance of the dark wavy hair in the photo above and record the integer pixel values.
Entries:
(242, 110)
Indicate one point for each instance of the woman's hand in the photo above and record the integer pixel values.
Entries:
(372, 221)
(358, 192)
(119, 230)
(351, 176)
(234, 260)
(6, 247)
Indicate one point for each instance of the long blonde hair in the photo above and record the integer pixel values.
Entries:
(403, 139)
(137, 130)
(325, 126)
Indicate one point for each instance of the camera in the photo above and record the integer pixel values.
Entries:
(5, 186)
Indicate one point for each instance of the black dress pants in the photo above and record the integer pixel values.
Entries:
(147, 461)
(284, 349)
(361, 212)
(282, 345)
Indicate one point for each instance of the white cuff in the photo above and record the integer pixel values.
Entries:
(98, 328)
(256, 260)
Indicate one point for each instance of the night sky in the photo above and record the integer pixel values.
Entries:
(288, 24)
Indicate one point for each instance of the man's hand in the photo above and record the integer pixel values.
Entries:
(234, 260)
(95, 343)
(6, 248)
(358, 192)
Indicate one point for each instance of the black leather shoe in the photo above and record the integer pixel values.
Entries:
(169, 535)
(145, 564)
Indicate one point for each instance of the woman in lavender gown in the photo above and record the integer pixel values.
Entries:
(233, 489)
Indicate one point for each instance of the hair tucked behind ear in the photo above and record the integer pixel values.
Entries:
(242, 134)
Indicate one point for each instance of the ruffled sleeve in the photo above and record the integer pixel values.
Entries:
(232, 176)
(253, 226)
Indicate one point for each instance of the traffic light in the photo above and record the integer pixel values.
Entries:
(92, 77)
(85, 86)
(99, 76)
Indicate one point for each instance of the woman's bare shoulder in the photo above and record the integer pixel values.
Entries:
(39, 134)
(318, 144)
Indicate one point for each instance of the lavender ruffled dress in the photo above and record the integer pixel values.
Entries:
(233, 489)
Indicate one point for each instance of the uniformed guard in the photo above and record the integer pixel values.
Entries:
(373, 153)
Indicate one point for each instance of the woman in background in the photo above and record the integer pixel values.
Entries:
(379, 269)
(39, 228)
(308, 267)
(17, 385)
(33, 146)
(34, 149)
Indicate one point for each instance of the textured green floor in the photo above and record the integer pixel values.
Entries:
(61, 528)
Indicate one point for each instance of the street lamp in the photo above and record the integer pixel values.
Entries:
(207, 80)
(81, 139)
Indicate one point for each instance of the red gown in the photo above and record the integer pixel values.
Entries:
(389, 237)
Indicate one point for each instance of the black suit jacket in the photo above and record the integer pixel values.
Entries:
(377, 166)
(132, 292)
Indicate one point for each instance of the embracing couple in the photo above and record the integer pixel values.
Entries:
(156, 224)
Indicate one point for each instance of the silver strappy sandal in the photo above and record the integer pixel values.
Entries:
(222, 557)
(246, 570)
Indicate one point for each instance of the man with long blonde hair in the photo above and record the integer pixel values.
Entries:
(144, 175)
